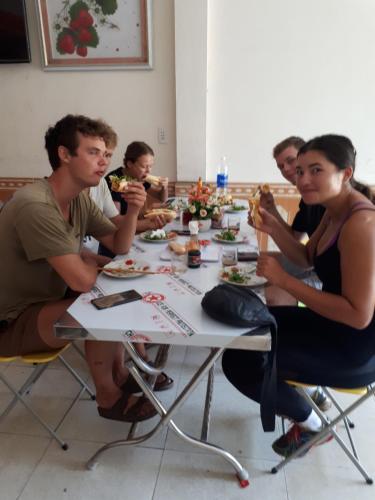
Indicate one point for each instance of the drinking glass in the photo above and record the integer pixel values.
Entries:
(178, 263)
(229, 256)
(234, 223)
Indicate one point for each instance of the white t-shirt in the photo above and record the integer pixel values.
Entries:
(102, 197)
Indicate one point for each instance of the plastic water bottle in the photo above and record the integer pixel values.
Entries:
(222, 177)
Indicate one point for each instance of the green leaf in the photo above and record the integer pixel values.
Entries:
(108, 6)
(95, 39)
(76, 8)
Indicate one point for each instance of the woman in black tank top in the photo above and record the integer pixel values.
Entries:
(337, 326)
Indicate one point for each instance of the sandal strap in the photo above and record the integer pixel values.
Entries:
(141, 410)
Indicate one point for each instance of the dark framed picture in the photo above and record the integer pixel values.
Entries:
(95, 34)
(14, 38)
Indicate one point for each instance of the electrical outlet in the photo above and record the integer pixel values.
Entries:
(162, 136)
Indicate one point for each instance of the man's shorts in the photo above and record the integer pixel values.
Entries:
(21, 336)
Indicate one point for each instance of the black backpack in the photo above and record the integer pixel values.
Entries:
(240, 306)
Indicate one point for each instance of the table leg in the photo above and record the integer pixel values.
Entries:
(207, 405)
(167, 415)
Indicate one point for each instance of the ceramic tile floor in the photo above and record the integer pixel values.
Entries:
(32, 466)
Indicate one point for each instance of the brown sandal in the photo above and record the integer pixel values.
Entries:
(141, 410)
(132, 387)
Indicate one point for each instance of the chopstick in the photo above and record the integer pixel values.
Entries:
(128, 271)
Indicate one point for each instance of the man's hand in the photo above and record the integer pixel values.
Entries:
(269, 268)
(135, 195)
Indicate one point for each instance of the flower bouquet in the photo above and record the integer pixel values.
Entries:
(202, 206)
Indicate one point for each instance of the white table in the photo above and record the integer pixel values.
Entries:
(170, 313)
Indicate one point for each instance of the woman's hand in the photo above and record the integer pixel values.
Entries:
(267, 224)
(135, 195)
(267, 202)
(269, 268)
(163, 183)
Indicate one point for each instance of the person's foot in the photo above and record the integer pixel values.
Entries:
(321, 400)
(296, 437)
(129, 408)
(162, 383)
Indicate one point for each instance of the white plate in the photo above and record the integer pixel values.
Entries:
(166, 240)
(251, 279)
(230, 210)
(240, 238)
(121, 264)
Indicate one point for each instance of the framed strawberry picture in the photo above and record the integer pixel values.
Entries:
(95, 34)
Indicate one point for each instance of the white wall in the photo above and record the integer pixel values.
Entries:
(277, 68)
(135, 103)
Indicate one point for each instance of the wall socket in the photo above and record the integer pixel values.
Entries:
(162, 135)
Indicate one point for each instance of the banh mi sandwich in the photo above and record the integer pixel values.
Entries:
(153, 180)
(120, 184)
(254, 211)
(164, 212)
(261, 189)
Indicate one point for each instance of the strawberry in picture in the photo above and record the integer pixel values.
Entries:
(84, 36)
(85, 19)
(65, 44)
(81, 51)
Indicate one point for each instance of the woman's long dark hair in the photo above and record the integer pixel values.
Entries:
(340, 151)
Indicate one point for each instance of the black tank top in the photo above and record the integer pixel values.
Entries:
(327, 264)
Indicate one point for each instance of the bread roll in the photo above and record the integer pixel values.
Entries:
(177, 248)
(169, 215)
(153, 180)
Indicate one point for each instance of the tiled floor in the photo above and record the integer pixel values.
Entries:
(32, 466)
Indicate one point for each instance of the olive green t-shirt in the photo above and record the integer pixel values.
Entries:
(32, 229)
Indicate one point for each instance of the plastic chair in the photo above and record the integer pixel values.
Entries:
(358, 381)
(40, 361)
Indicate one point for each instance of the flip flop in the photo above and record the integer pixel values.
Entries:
(132, 387)
(164, 384)
(141, 410)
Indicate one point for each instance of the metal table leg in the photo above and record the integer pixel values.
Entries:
(207, 405)
(166, 415)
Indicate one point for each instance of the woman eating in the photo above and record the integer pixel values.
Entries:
(337, 326)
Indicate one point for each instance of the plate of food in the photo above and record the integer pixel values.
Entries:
(229, 236)
(126, 268)
(158, 236)
(241, 276)
(236, 208)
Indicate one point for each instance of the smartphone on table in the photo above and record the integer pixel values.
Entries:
(116, 299)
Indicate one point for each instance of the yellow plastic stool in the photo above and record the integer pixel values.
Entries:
(41, 362)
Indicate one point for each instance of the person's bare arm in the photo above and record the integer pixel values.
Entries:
(160, 192)
(120, 241)
(78, 273)
(289, 246)
(355, 305)
(151, 224)
(101, 260)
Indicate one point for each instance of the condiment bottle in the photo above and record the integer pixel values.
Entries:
(194, 253)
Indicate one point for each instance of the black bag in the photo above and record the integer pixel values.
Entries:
(240, 306)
